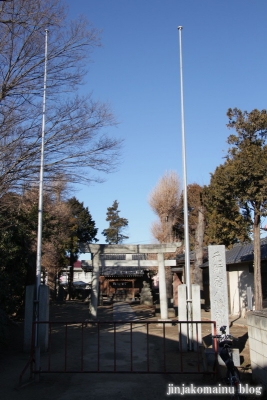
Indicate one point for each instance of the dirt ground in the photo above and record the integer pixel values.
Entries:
(102, 386)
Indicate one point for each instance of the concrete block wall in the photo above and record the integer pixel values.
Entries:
(257, 332)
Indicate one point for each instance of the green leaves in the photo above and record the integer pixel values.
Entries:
(65, 225)
(85, 229)
(82, 228)
(225, 224)
(238, 188)
(251, 126)
(237, 194)
(116, 225)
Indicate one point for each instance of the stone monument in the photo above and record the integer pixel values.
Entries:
(218, 287)
(146, 296)
(175, 285)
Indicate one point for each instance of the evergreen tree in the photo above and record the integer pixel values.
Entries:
(117, 224)
(66, 224)
(17, 256)
(241, 183)
(225, 223)
(83, 231)
(18, 214)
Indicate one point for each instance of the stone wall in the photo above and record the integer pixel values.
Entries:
(257, 332)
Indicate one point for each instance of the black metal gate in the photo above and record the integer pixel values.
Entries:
(139, 346)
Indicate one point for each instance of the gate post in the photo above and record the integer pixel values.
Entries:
(196, 314)
(162, 288)
(28, 318)
(95, 284)
(43, 329)
(182, 316)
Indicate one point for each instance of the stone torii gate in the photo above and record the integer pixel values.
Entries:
(97, 249)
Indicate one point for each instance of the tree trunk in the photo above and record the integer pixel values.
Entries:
(73, 258)
(257, 263)
(199, 237)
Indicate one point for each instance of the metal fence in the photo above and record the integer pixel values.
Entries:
(138, 346)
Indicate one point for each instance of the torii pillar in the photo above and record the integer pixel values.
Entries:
(162, 288)
(159, 249)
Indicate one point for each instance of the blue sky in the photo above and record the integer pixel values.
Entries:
(137, 72)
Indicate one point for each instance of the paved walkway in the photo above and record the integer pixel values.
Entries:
(96, 386)
(233, 319)
(123, 312)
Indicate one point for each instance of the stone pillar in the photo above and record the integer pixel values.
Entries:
(43, 329)
(196, 316)
(182, 316)
(249, 299)
(175, 284)
(28, 318)
(95, 286)
(218, 287)
(169, 279)
(133, 292)
(162, 288)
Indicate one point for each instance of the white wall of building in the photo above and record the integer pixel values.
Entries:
(80, 275)
(239, 279)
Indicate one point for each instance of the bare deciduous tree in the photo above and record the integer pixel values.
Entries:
(164, 201)
(74, 140)
(160, 231)
(54, 249)
(22, 29)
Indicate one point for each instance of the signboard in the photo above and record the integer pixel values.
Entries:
(121, 284)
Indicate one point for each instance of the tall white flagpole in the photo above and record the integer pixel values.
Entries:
(41, 182)
(40, 217)
(186, 229)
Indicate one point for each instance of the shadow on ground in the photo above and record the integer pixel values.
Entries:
(71, 386)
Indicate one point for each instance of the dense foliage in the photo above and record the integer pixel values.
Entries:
(117, 224)
(83, 230)
(225, 223)
(237, 194)
(66, 224)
